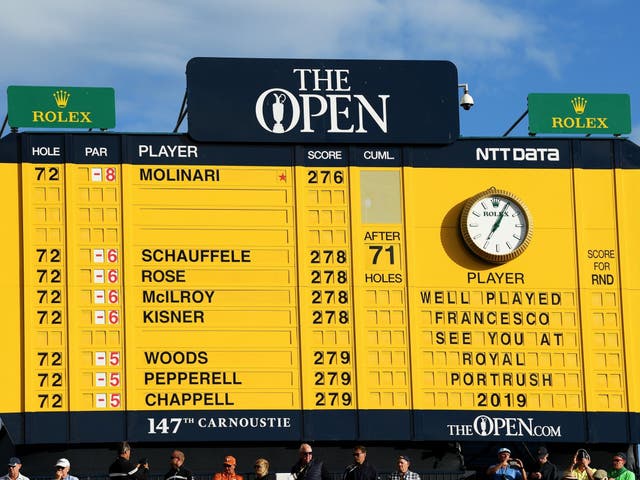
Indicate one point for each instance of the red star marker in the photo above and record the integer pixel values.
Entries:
(283, 177)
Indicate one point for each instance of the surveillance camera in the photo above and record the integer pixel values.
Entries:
(466, 101)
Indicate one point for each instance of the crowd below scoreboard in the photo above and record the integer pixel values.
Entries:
(308, 467)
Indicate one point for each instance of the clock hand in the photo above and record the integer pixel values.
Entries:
(498, 221)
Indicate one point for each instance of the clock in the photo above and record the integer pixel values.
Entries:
(496, 225)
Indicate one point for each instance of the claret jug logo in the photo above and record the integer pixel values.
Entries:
(579, 105)
(61, 115)
(323, 102)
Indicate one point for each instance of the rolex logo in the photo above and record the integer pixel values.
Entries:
(62, 98)
(495, 202)
(67, 117)
(579, 104)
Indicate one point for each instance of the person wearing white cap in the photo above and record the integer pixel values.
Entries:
(62, 470)
(507, 468)
(15, 464)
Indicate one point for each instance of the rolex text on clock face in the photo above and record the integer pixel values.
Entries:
(496, 225)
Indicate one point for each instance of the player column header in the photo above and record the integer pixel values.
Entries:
(338, 101)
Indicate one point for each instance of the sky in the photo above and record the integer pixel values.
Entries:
(503, 49)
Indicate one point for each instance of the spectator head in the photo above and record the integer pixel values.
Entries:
(261, 467)
(124, 450)
(306, 453)
(14, 467)
(359, 454)
(177, 459)
(229, 464)
(618, 460)
(503, 453)
(403, 464)
(64, 465)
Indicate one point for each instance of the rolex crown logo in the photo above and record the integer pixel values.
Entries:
(62, 98)
(579, 104)
(495, 201)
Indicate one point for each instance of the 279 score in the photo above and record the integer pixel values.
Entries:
(333, 399)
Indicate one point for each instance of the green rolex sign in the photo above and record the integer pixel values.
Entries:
(61, 107)
(579, 113)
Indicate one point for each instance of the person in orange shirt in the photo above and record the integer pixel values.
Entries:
(229, 472)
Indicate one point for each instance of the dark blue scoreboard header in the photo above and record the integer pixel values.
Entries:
(319, 101)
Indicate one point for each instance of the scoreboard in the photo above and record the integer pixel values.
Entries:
(156, 288)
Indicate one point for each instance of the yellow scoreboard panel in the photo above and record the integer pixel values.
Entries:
(156, 288)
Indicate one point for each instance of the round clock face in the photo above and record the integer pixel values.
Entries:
(496, 225)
